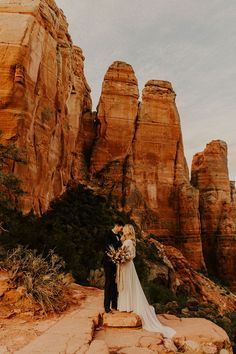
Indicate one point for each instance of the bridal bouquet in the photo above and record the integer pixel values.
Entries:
(121, 255)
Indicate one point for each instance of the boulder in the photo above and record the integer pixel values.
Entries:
(199, 333)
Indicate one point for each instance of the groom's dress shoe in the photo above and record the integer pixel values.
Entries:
(108, 311)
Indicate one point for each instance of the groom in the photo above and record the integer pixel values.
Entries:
(110, 290)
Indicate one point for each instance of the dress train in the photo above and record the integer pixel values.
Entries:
(132, 298)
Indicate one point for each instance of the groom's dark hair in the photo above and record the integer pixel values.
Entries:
(119, 222)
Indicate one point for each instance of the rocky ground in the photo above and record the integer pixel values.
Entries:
(80, 330)
(193, 335)
(24, 332)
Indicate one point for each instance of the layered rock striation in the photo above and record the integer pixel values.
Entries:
(217, 209)
(130, 150)
(43, 98)
(138, 158)
(115, 121)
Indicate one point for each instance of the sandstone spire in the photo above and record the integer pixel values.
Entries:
(217, 210)
(161, 173)
(138, 159)
(116, 116)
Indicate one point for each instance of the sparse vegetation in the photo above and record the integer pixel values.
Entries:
(42, 278)
(75, 227)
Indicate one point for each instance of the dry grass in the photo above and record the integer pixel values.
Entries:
(42, 278)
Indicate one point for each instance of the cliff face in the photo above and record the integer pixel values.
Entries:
(115, 120)
(218, 210)
(129, 150)
(43, 98)
(138, 159)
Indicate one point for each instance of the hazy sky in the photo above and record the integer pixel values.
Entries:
(191, 43)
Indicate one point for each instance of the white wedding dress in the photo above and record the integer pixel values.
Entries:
(132, 298)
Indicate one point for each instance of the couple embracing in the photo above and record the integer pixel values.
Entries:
(123, 290)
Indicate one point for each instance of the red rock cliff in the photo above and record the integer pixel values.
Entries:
(133, 150)
(138, 158)
(116, 116)
(43, 97)
(217, 209)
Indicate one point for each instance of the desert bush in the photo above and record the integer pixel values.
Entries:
(75, 226)
(228, 323)
(42, 278)
(159, 293)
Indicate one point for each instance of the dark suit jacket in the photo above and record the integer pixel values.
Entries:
(111, 240)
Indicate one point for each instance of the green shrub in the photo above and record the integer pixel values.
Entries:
(182, 296)
(228, 323)
(159, 293)
(75, 227)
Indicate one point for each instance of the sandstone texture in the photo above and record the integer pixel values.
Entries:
(98, 346)
(80, 331)
(145, 173)
(121, 319)
(138, 159)
(197, 335)
(161, 174)
(157, 144)
(203, 295)
(116, 117)
(217, 209)
(129, 150)
(193, 335)
(43, 98)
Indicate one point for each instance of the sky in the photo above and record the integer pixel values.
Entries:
(191, 43)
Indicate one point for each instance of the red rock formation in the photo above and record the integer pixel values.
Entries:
(138, 158)
(193, 283)
(43, 97)
(137, 154)
(158, 157)
(154, 155)
(161, 174)
(210, 176)
(116, 116)
(217, 209)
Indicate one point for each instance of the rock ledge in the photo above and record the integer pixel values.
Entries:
(122, 319)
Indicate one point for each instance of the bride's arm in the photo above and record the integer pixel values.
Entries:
(130, 247)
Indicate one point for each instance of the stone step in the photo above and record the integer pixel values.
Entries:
(121, 319)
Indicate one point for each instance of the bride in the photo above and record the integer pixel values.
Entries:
(130, 293)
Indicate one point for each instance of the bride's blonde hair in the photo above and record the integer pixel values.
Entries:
(129, 233)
